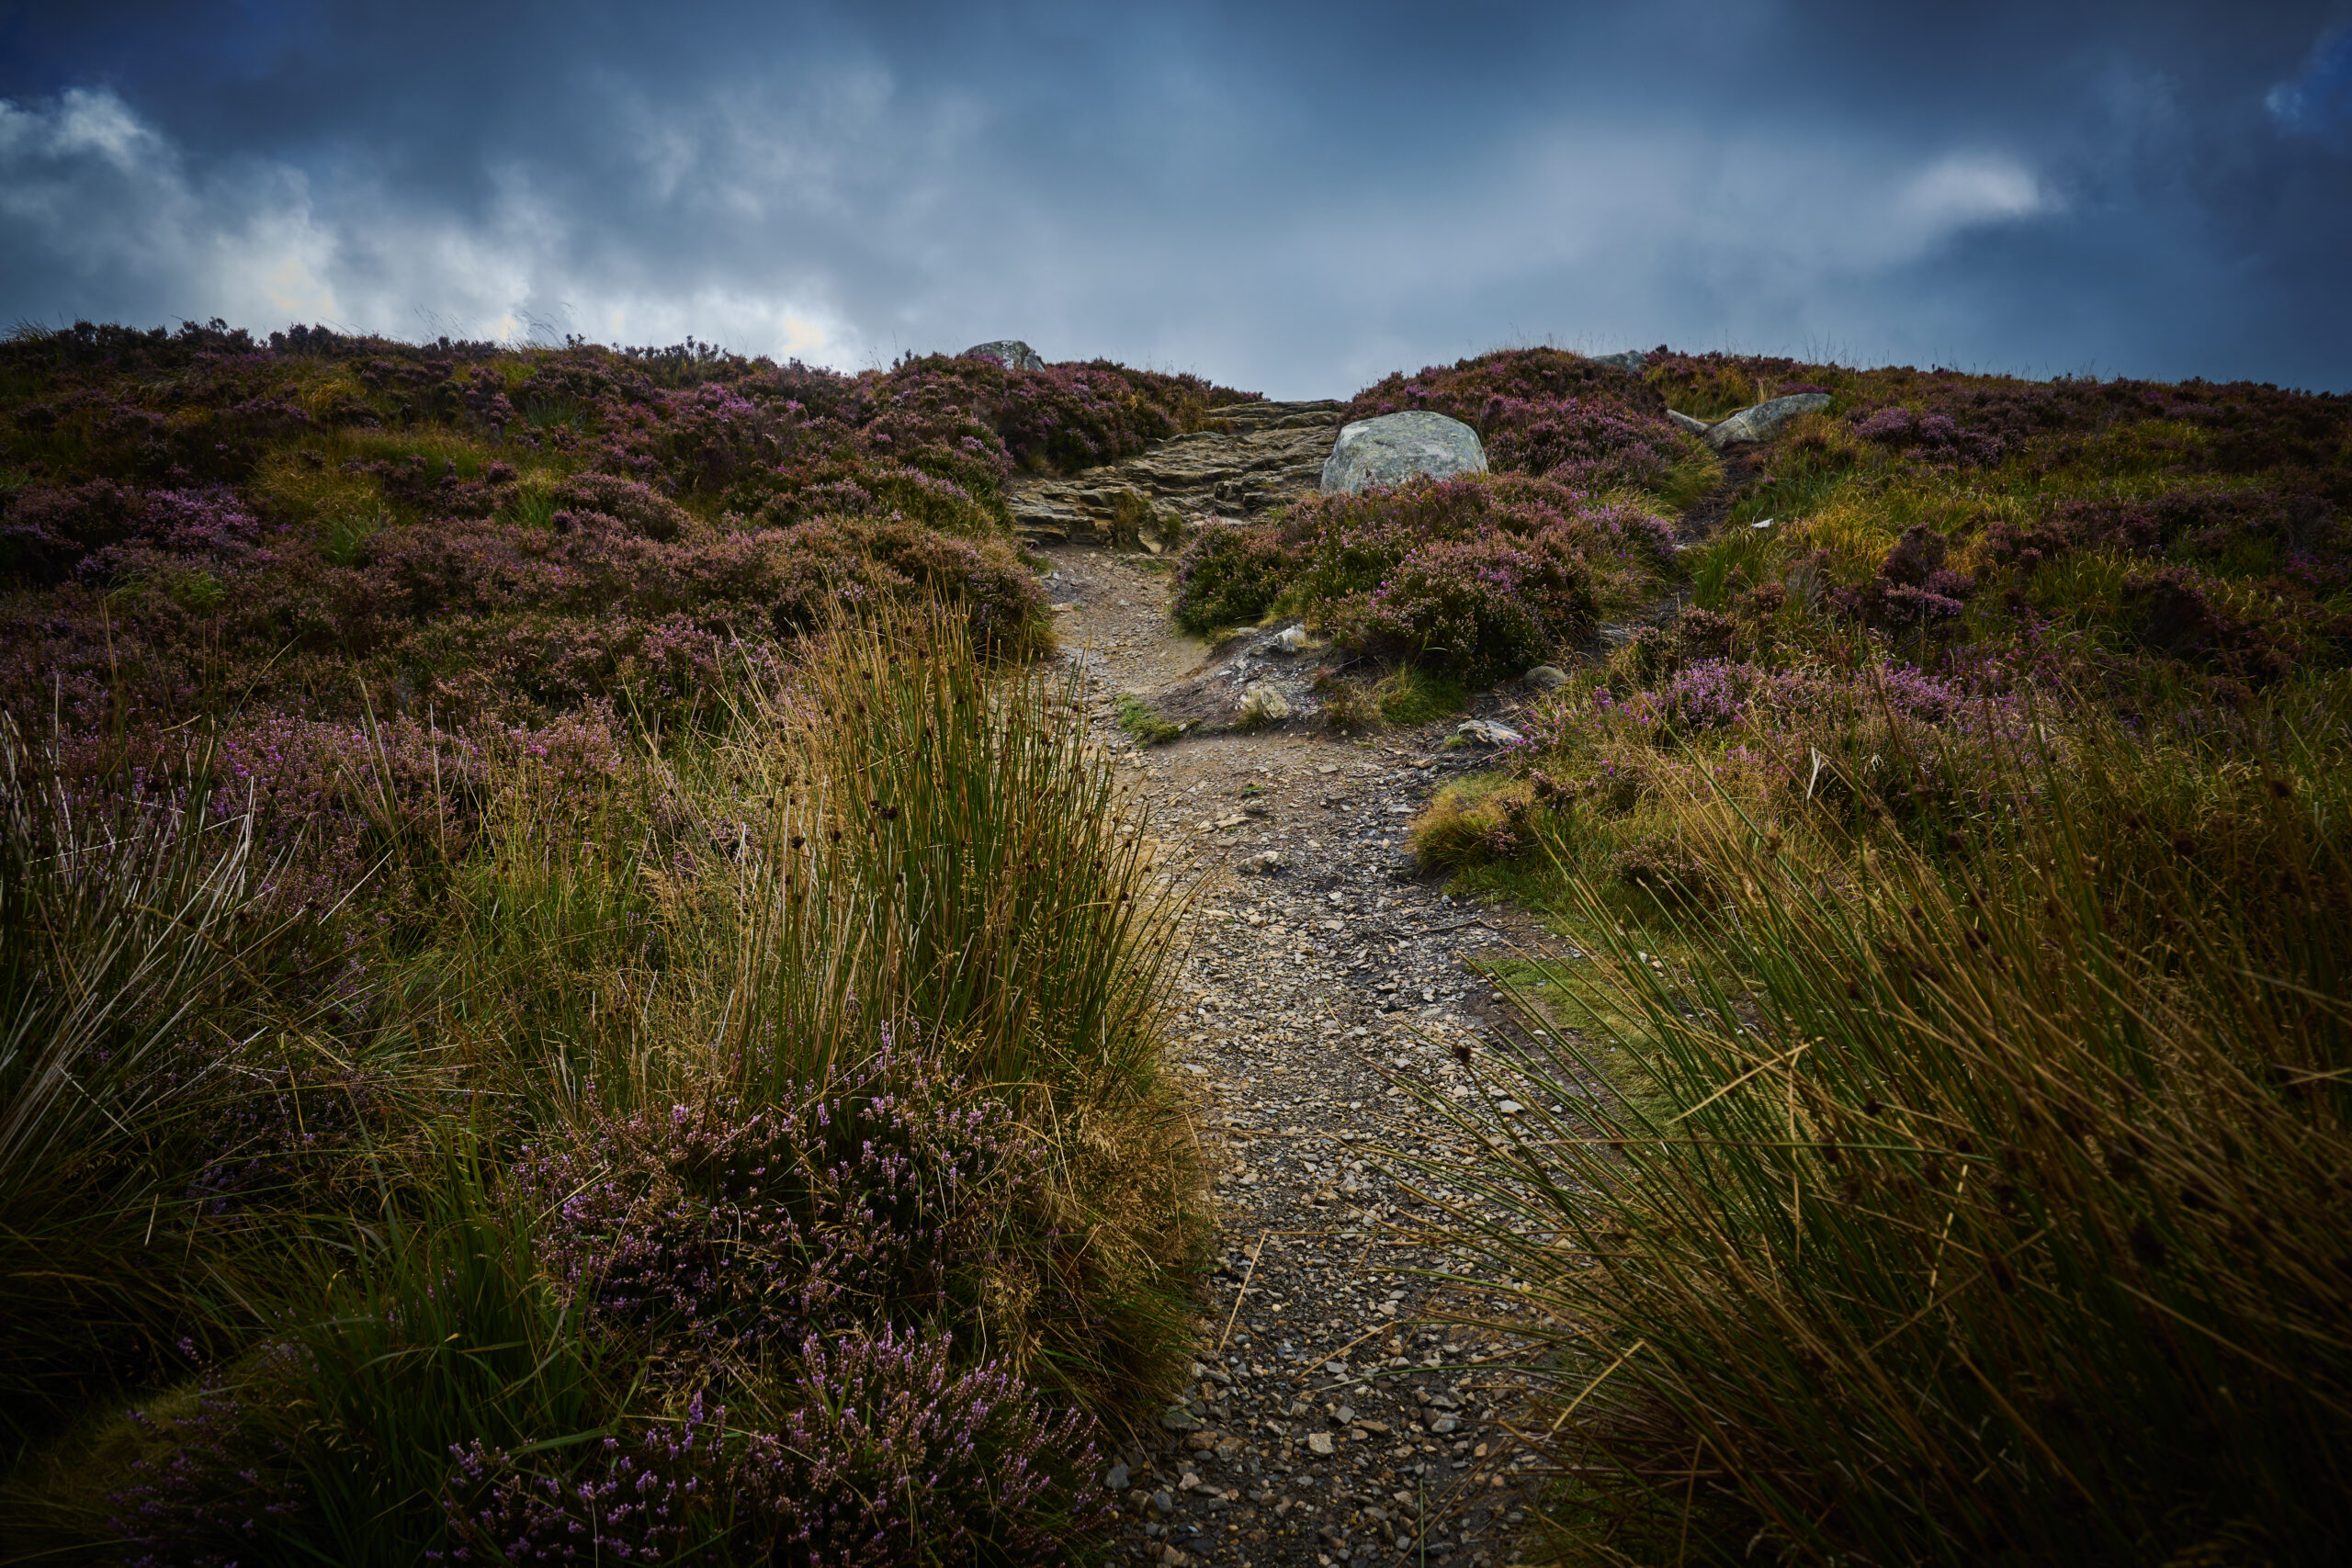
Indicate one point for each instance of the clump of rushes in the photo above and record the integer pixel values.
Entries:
(792, 1084)
(1973, 1206)
(1408, 694)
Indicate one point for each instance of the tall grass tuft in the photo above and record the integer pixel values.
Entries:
(133, 961)
(1983, 1208)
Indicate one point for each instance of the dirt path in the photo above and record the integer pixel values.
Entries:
(1331, 1418)
(1327, 1423)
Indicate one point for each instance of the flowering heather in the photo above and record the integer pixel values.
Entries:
(1230, 577)
(887, 1456)
(1589, 442)
(1477, 574)
(716, 1229)
(1476, 608)
(320, 525)
(223, 1492)
(1548, 413)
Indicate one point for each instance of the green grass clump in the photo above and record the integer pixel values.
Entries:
(450, 1213)
(1140, 719)
(1409, 695)
(1959, 1195)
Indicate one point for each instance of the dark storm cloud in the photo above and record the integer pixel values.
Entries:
(1296, 198)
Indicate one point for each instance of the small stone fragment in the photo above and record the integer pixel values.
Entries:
(1261, 704)
(1318, 1442)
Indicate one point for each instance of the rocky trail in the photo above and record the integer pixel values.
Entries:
(1267, 452)
(1331, 1416)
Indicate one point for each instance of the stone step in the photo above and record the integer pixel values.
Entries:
(1271, 452)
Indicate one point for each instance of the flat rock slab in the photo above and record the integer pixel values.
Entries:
(1263, 455)
(1397, 446)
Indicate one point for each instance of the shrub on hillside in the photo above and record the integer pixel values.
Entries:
(1230, 577)
(716, 1230)
(1545, 411)
(1475, 609)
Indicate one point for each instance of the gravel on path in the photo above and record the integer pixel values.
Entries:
(1332, 1416)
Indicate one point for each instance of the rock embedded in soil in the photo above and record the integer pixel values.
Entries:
(1008, 351)
(1764, 420)
(1398, 447)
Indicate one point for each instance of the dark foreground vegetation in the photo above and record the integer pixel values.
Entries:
(1940, 1154)
(570, 986)
(569, 993)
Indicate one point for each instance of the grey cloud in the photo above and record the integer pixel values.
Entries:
(1295, 198)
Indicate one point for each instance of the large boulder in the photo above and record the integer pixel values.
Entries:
(1011, 353)
(1762, 422)
(1395, 446)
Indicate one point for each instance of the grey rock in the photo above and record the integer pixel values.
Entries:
(1290, 639)
(1008, 351)
(1684, 421)
(1763, 421)
(1176, 1419)
(1547, 677)
(1486, 732)
(1631, 360)
(1116, 1481)
(1397, 446)
(1261, 704)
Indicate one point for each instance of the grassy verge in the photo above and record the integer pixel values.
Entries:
(1951, 1190)
(730, 1136)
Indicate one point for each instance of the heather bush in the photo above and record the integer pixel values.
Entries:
(1475, 576)
(1476, 609)
(1548, 413)
(715, 1230)
(1230, 577)
(887, 1456)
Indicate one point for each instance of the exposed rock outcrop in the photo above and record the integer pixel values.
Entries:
(1263, 455)
(1761, 422)
(1008, 351)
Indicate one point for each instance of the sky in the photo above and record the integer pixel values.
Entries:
(1288, 197)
